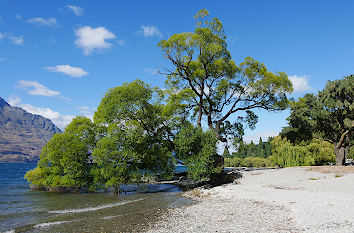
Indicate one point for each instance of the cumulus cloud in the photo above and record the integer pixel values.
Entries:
(16, 40)
(72, 71)
(91, 39)
(35, 88)
(76, 10)
(42, 22)
(58, 119)
(150, 31)
(300, 83)
(255, 137)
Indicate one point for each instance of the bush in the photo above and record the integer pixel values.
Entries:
(257, 162)
(234, 162)
(314, 152)
(197, 149)
(248, 162)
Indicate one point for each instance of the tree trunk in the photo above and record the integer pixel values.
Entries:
(340, 155)
(200, 113)
(217, 178)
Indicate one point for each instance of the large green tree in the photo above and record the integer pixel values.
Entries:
(329, 115)
(136, 134)
(204, 77)
(65, 162)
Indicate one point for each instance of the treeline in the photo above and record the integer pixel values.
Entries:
(250, 154)
(262, 149)
(281, 152)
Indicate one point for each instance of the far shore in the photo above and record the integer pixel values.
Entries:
(297, 199)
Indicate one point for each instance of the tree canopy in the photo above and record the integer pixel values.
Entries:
(65, 160)
(211, 84)
(329, 115)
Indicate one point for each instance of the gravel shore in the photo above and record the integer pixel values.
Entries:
(281, 200)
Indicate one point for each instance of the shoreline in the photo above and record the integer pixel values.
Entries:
(296, 199)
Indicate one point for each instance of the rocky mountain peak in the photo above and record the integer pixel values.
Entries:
(22, 134)
(3, 103)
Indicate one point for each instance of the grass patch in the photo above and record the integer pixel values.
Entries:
(338, 175)
(313, 178)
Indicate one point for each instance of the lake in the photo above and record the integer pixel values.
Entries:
(26, 210)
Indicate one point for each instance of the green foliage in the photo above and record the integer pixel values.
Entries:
(234, 162)
(262, 149)
(351, 153)
(64, 164)
(139, 130)
(329, 115)
(248, 162)
(315, 152)
(211, 83)
(197, 149)
(130, 138)
(257, 162)
(226, 152)
(83, 128)
(137, 137)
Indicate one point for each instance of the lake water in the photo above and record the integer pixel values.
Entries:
(25, 210)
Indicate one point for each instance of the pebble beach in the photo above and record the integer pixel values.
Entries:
(299, 199)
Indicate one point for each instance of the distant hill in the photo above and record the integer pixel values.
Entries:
(22, 134)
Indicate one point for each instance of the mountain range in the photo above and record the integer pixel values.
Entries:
(22, 134)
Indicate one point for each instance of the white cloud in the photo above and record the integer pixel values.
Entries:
(121, 42)
(263, 134)
(150, 31)
(38, 21)
(14, 101)
(16, 40)
(18, 17)
(35, 88)
(72, 71)
(300, 83)
(151, 71)
(76, 9)
(83, 107)
(58, 119)
(90, 39)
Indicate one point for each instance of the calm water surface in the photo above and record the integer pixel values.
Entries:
(25, 210)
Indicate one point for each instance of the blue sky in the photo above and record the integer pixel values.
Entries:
(58, 58)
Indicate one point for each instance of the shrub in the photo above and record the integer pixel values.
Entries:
(234, 162)
(257, 162)
(314, 152)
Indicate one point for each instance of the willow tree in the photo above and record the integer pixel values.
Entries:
(65, 163)
(204, 77)
(135, 135)
(329, 115)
